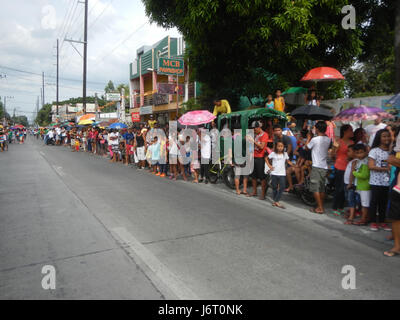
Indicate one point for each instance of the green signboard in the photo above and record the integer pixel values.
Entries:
(171, 67)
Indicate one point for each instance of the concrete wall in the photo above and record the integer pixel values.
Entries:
(339, 104)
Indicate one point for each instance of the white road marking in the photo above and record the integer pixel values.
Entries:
(170, 280)
(59, 171)
(42, 153)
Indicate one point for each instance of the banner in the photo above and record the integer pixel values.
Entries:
(169, 88)
(135, 116)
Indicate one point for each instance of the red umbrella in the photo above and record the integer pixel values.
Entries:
(19, 126)
(322, 74)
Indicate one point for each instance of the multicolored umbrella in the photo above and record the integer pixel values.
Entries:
(197, 117)
(85, 122)
(362, 113)
(89, 116)
(322, 74)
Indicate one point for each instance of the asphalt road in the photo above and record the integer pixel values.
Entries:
(115, 232)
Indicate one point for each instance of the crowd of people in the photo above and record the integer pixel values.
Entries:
(9, 136)
(366, 162)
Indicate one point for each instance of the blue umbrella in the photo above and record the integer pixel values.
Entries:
(394, 101)
(118, 125)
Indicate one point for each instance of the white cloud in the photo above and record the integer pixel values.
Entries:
(28, 46)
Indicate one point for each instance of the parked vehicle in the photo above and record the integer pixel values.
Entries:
(242, 120)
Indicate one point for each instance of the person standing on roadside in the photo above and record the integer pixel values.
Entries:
(372, 129)
(260, 147)
(205, 152)
(393, 212)
(140, 148)
(379, 179)
(319, 147)
(340, 149)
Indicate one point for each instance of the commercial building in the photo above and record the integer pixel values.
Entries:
(148, 87)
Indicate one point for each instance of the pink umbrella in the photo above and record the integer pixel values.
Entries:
(197, 117)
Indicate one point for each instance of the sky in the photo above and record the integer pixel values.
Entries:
(28, 33)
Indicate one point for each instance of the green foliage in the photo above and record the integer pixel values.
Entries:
(372, 79)
(191, 105)
(109, 87)
(20, 120)
(44, 115)
(2, 115)
(229, 41)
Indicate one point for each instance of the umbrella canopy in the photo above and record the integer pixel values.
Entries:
(362, 113)
(89, 116)
(85, 122)
(104, 124)
(322, 74)
(19, 126)
(312, 113)
(118, 125)
(197, 117)
(295, 90)
(394, 101)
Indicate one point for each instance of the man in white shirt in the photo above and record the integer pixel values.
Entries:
(114, 143)
(319, 147)
(205, 151)
(372, 129)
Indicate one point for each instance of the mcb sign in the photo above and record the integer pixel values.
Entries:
(171, 67)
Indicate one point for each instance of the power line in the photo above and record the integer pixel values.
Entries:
(39, 74)
(126, 39)
(91, 25)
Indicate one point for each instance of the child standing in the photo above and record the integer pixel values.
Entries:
(349, 187)
(362, 174)
(379, 179)
(278, 167)
(270, 103)
(155, 155)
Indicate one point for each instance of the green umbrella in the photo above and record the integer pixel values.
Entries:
(295, 90)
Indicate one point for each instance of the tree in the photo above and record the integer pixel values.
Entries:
(229, 40)
(2, 114)
(381, 43)
(20, 120)
(44, 115)
(109, 87)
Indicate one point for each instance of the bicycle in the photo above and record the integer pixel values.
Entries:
(222, 170)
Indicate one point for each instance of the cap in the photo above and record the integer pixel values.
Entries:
(256, 124)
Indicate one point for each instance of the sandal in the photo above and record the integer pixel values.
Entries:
(349, 221)
(245, 193)
(391, 253)
(337, 213)
(314, 210)
(280, 206)
(360, 223)
(251, 195)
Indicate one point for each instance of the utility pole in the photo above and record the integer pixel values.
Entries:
(37, 110)
(43, 87)
(57, 79)
(122, 112)
(85, 55)
(5, 113)
(96, 105)
(84, 42)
